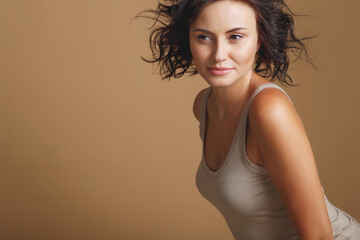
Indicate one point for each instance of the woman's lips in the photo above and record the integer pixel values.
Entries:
(220, 70)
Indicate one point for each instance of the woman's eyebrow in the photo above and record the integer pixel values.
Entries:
(208, 32)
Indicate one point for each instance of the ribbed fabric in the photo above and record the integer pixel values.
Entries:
(245, 195)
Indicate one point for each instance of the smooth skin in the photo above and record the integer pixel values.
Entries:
(276, 138)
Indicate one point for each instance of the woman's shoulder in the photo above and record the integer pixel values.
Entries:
(272, 108)
(197, 103)
(271, 102)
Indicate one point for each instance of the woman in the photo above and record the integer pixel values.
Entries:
(257, 165)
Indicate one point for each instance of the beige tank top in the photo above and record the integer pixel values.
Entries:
(245, 195)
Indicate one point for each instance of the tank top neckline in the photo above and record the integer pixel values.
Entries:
(235, 138)
(204, 137)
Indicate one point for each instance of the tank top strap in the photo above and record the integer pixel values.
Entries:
(203, 112)
(244, 116)
(262, 87)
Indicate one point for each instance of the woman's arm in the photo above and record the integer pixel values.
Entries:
(288, 158)
(197, 103)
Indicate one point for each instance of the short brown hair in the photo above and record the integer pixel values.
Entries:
(170, 46)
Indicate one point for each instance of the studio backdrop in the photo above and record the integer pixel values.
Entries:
(94, 145)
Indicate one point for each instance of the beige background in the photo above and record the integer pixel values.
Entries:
(95, 146)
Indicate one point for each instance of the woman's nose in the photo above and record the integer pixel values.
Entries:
(220, 51)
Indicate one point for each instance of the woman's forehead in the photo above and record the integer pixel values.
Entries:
(226, 14)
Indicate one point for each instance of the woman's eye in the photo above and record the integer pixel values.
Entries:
(203, 37)
(236, 36)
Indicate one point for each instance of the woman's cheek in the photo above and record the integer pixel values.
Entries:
(199, 56)
(245, 53)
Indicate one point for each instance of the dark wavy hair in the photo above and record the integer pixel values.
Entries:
(170, 46)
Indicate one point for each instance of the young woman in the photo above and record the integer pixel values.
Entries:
(257, 166)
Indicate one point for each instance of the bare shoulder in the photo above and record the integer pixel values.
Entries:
(272, 105)
(197, 103)
(274, 121)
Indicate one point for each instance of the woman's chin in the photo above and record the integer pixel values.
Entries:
(219, 81)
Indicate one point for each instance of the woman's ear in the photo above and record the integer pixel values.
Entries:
(258, 45)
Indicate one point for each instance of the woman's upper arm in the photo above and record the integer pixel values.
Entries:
(288, 158)
(197, 104)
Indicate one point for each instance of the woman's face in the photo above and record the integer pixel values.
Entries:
(224, 41)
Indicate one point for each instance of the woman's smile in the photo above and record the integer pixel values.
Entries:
(220, 71)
